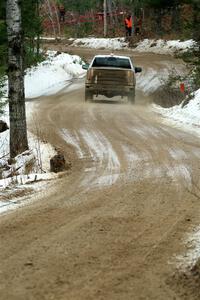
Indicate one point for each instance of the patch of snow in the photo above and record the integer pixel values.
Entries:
(72, 139)
(97, 43)
(181, 171)
(101, 151)
(132, 155)
(39, 156)
(25, 179)
(21, 182)
(189, 258)
(47, 38)
(22, 161)
(53, 74)
(177, 153)
(147, 45)
(105, 180)
(6, 205)
(164, 47)
(145, 132)
(141, 166)
(34, 161)
(187, 117)
(150, 80)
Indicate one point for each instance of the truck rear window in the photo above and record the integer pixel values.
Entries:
(114, 62)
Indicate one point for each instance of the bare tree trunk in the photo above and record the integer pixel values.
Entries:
(57, 19)
(50, 14)
(110, 11)
(93, 18)
(18, 130)
(133, 16)
(105, 17)
(115, 10)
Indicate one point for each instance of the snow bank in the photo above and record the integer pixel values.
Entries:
(32, 166)
(164, 47)
(187, 116)
(21, 185)
(192, 255)
(151, 79)
(99, 43)
(146, 45)
(37, 158)
(53, 74)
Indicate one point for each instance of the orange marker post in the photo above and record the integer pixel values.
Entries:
(182, 88)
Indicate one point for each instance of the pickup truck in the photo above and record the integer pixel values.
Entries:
(110, 75)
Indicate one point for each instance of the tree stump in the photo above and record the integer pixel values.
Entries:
(3, 126)
(58, 163)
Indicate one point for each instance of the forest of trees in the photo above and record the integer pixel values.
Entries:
(158, 14)
(168, 19)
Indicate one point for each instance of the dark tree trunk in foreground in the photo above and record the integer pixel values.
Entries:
(18, 130)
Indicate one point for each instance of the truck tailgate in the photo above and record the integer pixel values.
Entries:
(109, 76)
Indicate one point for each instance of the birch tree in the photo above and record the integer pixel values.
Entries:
(18, 129)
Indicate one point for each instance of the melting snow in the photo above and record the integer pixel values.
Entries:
(53, 74)
(73, 140)
(164, 47)
(187, 117)
(189, 258)
(96, 43)
(177, 153)
(146, 45)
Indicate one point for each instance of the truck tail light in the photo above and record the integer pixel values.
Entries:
(89, 74)
(130, 77)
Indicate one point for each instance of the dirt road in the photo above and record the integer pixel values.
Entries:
(111, 227)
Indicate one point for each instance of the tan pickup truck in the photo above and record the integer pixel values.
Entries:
(110, 75)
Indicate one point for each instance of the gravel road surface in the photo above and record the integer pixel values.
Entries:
(109, 228)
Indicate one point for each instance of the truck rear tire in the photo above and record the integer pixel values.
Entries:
(131, 97)
(88, 96)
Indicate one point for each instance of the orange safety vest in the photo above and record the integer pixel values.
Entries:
(128, 23)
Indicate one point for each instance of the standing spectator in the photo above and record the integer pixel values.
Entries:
(128, 25)
(61, 13)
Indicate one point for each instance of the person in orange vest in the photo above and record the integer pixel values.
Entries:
(128, 25)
